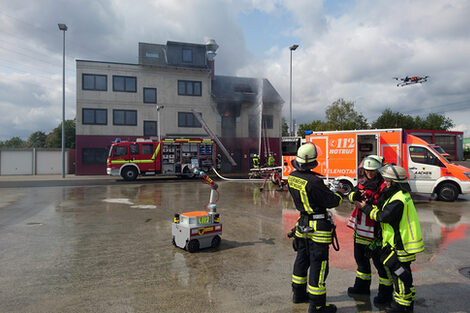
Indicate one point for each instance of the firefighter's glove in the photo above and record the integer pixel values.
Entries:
(373, 248)
(357, 196)
(364, 207)
(291, 234)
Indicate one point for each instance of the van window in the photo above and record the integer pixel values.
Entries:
(424, 156)
(119, 151)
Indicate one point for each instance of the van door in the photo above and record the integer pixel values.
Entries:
(424, 168)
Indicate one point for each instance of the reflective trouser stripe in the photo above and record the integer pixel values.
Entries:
(400, 296)
(299, 280)
(363, 276)
(321, 288)
(387, 281)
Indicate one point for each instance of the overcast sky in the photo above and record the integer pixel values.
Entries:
(347, 49)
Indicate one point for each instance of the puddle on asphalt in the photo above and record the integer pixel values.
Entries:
(144, 206)
(119, 201)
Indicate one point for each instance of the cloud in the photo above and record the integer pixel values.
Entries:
(352, 53)
(355, 55)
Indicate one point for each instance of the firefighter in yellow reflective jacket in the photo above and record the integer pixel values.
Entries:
(313, 231)
(255, 161)
(401, 234)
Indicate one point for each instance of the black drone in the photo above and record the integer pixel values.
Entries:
(411, 80)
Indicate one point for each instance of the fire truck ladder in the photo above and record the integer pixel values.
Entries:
(214, 137)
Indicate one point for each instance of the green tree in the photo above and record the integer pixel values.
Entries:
(340, 115)
(37, 140)
(436, 121)
(15, 142)
(433, 121)
(284, 127)
(54, 138)
(313, 126)
(390, 119)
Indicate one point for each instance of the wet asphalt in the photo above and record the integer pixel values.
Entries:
(106, 247)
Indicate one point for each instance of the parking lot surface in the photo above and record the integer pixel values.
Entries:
(106, 247)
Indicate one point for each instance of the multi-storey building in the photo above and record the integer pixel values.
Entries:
(159, 94)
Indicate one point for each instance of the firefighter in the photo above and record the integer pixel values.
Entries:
(367, 234)
(255, 161)
(271, 160)
(401, 234)
(313, 232)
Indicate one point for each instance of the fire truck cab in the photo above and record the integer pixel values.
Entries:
(130, 159)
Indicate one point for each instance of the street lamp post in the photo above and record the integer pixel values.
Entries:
(159, 107)
(291, 125)
(63, 28)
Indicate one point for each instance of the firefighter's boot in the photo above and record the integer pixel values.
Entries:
(397, 308)
(299, 293)
(385, 296)
(327, 308)
(361, 287)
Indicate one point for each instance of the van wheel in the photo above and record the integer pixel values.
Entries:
(173, 241)
(347, 186)
(129, 173)
(192, 245)
(448, 192)
(215, 241)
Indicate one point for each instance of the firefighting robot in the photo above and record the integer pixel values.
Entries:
(199, 229)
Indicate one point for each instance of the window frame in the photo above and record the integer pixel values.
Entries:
(191, 83)
(184, 115)
(95, 151)
(149, 88)
(94, 82)
(125, 117)
(436, 161)
(125, 84)
(156, 129)
(94, 113)
(185, 60)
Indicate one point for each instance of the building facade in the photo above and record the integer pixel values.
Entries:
(120, 100)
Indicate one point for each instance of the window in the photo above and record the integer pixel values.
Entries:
(125, 117)
(150, 95)
(94, 155)
(119, 151)
(187, 56)
(187, 119)
(124, 83)
(423, 155)
(152, 54)
(189, 88)
(267, 121)
(134, 148)
(95, 116)
(147, 148)
(150, 128)
(94, 82)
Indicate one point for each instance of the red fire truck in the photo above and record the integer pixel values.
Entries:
(167, 157)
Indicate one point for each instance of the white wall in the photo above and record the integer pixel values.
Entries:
(32, 162)
(16, 162)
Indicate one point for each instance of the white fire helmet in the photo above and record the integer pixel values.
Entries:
(307, 153)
